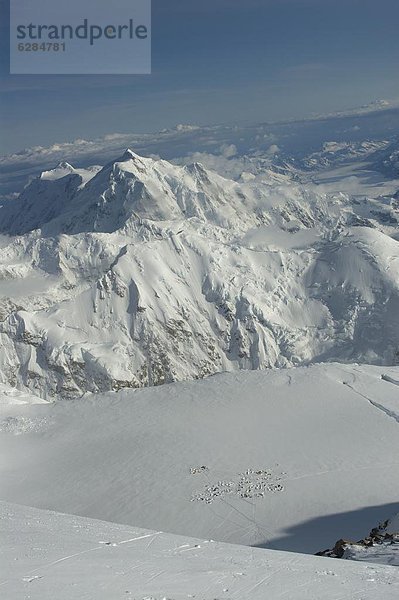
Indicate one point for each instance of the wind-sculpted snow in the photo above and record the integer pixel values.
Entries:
(47, 555)
(145, 272)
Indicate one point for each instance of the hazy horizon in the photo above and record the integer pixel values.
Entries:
(221, 61)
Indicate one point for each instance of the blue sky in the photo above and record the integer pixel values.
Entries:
(217, 61)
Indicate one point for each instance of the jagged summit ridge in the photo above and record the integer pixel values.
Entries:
(144, 272)
(106, 200)
(129, 155)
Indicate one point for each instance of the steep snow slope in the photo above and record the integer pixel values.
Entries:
(290, 460)
(47, 555)
(149, 272)
(44, 198)
(132, 188)
(9, 395)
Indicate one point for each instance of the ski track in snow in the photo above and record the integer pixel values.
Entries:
(169, 570)
(77, 554)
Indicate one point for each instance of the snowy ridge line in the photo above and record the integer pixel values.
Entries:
(383, 409)
(389, 379)
(165, 569)
(145, 272)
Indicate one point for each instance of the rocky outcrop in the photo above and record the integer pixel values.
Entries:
(384, 536)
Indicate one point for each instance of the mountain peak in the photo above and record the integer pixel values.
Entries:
(129, 155)
(196, 169)
(61, 170)
(65, 165)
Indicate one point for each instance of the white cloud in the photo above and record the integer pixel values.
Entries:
(228, 150)
(274, 149)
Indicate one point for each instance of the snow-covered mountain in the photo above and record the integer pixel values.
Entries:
(124, 191)
(293, 140)
(45, 198)
(144, 272)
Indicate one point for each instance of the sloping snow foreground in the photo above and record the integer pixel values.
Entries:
(47, 555)
(288, 460)
(386, 553)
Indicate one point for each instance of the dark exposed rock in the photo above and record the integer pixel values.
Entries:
(378, 535)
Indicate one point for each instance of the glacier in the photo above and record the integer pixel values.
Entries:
(145, 272)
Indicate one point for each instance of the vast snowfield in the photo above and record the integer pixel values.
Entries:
(290, 460)
(201, 339)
